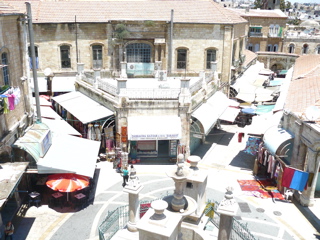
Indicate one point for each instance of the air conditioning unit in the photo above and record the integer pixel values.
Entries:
(162, 75)
(131, 66)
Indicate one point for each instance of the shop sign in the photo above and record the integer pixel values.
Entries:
(154, 136)
(124, 134)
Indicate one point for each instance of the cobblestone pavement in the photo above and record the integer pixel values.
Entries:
(221, 157)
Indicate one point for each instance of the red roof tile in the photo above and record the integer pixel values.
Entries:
(304, 90)
(185, 11)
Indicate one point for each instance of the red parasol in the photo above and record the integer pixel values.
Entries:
(67, 182)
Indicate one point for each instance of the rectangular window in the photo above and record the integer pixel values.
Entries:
(182, 59)
(37, 58)
(65, 57)
(5, 69)
(97, 56)
(211, 57)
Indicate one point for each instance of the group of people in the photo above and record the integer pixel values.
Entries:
(126, 173)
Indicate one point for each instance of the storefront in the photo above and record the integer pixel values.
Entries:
(91, 119)
(154, 136)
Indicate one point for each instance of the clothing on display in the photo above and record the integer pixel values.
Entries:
(294, 179)
(252, 146)
(9, 99)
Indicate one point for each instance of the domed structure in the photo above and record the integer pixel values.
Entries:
(310, 24)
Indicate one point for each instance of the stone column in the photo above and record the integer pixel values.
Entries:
(123, 73)
(227, 209)
(133, 188)
(80, 67)
(121, 83)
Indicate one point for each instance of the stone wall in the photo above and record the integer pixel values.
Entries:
(12, 43)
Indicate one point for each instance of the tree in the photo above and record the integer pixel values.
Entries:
(282, 5)
(288, 5)
(258, 4)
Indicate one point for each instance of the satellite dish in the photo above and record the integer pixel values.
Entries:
(312, 113)
(48, 72)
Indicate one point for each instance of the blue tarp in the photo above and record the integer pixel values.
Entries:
(249, 111)
(275, 83)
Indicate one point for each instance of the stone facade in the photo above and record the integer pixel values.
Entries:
(305, 155)
(195, 38)
(12, 45)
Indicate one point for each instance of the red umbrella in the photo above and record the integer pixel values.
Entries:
(67, 182)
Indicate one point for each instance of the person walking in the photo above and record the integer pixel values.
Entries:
(125, 176)
(9, 229)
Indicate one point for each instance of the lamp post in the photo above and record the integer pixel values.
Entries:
(49, 75)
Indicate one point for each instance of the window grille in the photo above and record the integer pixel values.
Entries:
(138, 53)
(65, 57)
(182, 59)
(97, 56)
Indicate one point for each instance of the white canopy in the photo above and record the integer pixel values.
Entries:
(209, 112)
(82, 107)
(60, 127)
(69, 154)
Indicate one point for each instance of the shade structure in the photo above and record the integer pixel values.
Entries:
(67, 182)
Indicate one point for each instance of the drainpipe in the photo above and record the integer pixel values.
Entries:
(33, 57)
(170, 44)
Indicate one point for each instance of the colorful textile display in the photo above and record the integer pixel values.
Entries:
(252, 145)
(260, 188)
(294, 179)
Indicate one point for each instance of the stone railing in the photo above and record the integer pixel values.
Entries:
(118, 219)
(107, 87)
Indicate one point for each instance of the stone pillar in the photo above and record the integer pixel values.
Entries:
(184, 83)
(227, 209)
(80, 67)
(158, 223)
(195, 186)
(158, 67)
(133, 188)
(96, 73)
(123, 73)
(121, 83)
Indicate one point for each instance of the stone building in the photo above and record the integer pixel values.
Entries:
(104, 37)
(303, 39)
(301, 119)
(188, 50)
(15, 118)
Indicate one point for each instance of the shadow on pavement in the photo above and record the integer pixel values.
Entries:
(22, 226)
(243, 160)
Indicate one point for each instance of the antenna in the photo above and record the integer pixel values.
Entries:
(312, 113)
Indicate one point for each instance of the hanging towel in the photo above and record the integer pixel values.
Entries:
(294, 179)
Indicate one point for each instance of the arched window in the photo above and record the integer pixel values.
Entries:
(275, 48)
(291, 48)
(257, 47)
(250, 47)
(65, 56)
(318, 49)
(138, 53)
(276, 29)
(5, 68)
(211, 57)
(271, 29)
(96, 56)
(305, 49)
(181, 58)
(269, 48)
(37, 58)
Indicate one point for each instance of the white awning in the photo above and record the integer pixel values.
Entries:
(82, 107)
(42, 101)
(154, 127)
(60, 127)
(63, 84)
(69, 154)
(209, 112)
(230, 114)
(48, 112)
(261, 123)
(60, 153)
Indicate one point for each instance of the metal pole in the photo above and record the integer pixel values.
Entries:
(170, 44)
(33, 57)
(75, 21)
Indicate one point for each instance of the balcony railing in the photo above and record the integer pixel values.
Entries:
(255, 34)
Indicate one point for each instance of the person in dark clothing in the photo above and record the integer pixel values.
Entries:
(125, 175)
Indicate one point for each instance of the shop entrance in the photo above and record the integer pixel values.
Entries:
(163, 148)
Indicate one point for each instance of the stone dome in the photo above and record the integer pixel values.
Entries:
(310, 24)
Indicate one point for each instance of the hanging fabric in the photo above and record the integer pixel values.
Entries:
(294, 179)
